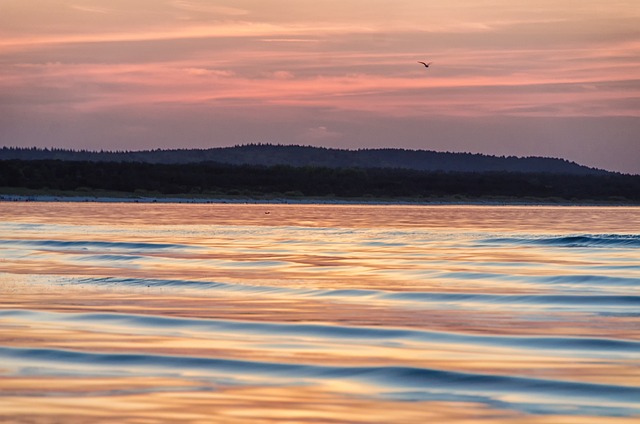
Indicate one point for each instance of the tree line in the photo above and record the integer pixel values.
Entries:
(214, 179)
(300, 156)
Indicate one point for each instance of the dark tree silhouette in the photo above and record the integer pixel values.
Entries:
(215, 179)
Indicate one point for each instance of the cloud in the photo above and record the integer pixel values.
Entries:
(283, 75)
(204, 72)
(90, 9)
(324, 64)
(320, 133)
(208, 8)
(289, 40)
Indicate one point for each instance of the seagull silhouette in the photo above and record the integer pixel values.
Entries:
(426, 65)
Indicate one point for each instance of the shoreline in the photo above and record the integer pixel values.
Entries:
(8, 198)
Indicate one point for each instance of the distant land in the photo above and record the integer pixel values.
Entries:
(304, 156)
(36, 178)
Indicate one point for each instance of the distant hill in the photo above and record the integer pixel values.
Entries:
(304, 156)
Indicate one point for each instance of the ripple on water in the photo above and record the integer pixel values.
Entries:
(414, 304)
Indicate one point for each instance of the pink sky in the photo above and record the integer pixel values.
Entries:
(509, 77)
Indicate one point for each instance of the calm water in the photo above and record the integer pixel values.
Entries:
(146, 313)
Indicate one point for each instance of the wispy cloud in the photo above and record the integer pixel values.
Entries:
(89, 9)
(207, 7)
(561, 59)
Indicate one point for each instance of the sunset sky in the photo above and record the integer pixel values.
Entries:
(509, 77)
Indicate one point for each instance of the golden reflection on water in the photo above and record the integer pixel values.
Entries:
(226, 404)
(547, 219)
(70, 272)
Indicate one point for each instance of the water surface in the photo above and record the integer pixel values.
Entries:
(318, 313)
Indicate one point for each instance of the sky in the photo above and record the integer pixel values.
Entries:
(557, 78)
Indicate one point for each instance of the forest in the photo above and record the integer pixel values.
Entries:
(281, 181)
(301, 156)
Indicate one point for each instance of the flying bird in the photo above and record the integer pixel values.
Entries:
(426, 65)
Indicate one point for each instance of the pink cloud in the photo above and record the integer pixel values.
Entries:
(322, 63)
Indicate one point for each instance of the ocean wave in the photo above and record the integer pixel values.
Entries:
(583, 240)
(86, 245)
(161, 325)
(385, 377)
(540, 300)
(586, 279)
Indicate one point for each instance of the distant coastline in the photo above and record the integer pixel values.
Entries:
(319, 157)
(452, 201)
(211, 182)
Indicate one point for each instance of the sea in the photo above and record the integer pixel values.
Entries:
(302, 313)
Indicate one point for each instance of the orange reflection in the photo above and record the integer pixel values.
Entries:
(332, 288)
